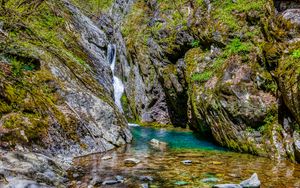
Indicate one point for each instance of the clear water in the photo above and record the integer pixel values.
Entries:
(175, 139)
(167, 170)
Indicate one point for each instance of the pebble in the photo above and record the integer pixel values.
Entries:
(227, 186)
(131, 161)
(187, 162)
(120, 179)
(210, 180)
(146, 178)
(106, 157)
(144, 185)
(110, 182)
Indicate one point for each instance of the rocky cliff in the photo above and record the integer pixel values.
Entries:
(56, 88)
(227, 69)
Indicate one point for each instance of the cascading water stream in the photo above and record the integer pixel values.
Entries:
(117, 83)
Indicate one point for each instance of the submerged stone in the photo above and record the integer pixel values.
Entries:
(106, 157)
(146, 178)
(144, 185)
(181, 183)
(187, 162)
(227, 186)
(210, 180)
(131, 161)
(120, 179)
(110, 182)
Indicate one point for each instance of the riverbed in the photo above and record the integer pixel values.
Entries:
(208, 164)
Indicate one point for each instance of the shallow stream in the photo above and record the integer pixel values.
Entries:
(210, 164)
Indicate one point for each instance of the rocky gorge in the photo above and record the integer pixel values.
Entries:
(73, 73)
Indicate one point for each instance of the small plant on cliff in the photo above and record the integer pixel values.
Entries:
(237, 47)
(202, 77)
(296, 54)
(195, 43)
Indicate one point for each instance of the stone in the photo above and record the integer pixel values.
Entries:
(146, 178)
(186, 162)
(181, 183)
(120, 179)
(210, 180)
(296, 137)
(18, 168)
(131, 161)
(293, 15)
(110, 182)
(156, 142)
(227, 186)
(145, 185)
(106, 157)
(216, 163)
(252, 182)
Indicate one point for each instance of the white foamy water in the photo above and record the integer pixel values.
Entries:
(117, 83)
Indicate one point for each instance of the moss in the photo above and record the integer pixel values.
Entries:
(93, 7)
(296, 54)
(202, 77)
(228, 12)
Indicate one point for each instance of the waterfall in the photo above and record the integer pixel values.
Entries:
(117, 83)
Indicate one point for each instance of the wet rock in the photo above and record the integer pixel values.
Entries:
(106, 157)
(131, 162)
(252, 182)
(120, 179)
(96, 181)
(210, 180)
(158, 144)
(297, 146)
(19, 183)
(181, 183)
(227, 186)
(110, 182)
(146, 178)
(145, 185)
(187, 162)
(216, 163)
(31, 166)
(293, 15)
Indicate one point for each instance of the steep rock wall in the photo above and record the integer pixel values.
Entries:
(219, 67)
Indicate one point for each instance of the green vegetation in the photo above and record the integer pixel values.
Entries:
(37, 38)
(195, 43)
(296, 54)
(229, 12)
(202, 77)
(237, 47)
(93, 7)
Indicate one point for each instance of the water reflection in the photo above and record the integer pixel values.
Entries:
(208, 161)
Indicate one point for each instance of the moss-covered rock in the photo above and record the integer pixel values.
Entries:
(55, 84)
(239, 60)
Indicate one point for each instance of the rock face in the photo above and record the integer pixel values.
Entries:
(28, 166)
(225, 70)
(80, 115)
